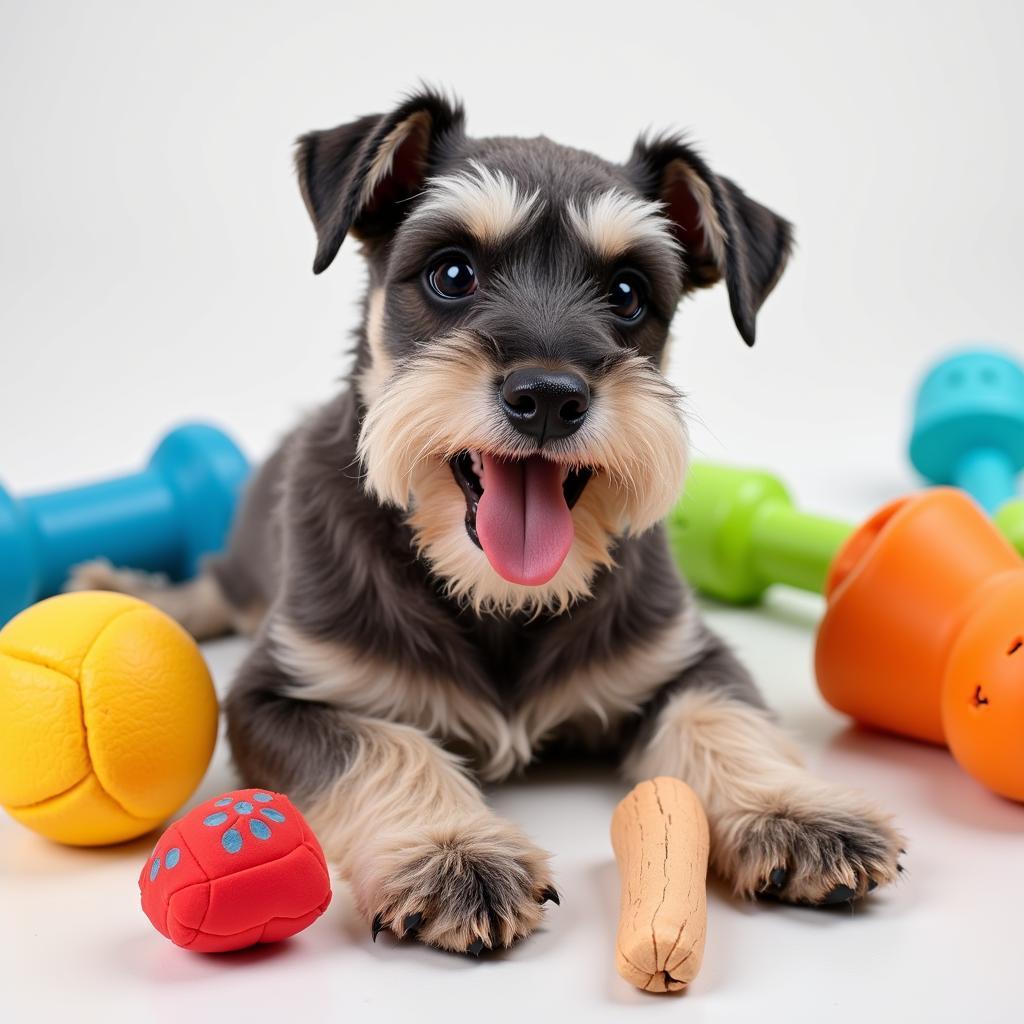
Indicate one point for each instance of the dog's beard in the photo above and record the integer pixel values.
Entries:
(441, 404)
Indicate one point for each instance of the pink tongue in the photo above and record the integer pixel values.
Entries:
(522, 520)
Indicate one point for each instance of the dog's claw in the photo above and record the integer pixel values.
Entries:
(475, 947)
(378, 924)
(840, 894)
(412, 922)
(872, 885)
(776, 880)
(550, 893)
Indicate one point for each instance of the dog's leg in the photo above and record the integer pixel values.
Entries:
(775, 828)
(396, 813)
(197, 604)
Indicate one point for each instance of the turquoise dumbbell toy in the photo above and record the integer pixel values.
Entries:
(969, 426)
(163, 519)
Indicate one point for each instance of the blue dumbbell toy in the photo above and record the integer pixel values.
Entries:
(163, 519)
(969, 425)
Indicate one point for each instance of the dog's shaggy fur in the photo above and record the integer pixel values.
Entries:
(394, 658)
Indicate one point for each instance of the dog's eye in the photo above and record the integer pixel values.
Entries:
(452, 277)
(626, 295)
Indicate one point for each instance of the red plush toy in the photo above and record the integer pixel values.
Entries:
(241, 869)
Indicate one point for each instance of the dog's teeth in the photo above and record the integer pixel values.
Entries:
(477, 462)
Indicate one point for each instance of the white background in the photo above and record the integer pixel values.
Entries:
(155, 265)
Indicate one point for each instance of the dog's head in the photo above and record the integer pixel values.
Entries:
(519, 306)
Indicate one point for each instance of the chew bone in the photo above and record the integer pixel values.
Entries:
(660, 838)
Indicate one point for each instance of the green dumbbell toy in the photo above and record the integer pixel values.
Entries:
(1010, 520)
(736, 532)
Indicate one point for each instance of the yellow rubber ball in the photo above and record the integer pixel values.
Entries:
(108, 717)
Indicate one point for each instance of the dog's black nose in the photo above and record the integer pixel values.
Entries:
(543, 404)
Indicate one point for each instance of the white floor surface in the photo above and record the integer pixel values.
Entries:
(943, 945)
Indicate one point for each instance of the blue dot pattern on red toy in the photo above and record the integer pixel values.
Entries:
(170, 862)
(260, 829)
(231, 840)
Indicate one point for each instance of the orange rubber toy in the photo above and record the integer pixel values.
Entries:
(924, 633)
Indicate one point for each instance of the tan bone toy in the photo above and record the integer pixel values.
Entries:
(660, 838)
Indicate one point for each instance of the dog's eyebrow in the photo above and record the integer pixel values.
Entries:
(614, 222)
(490, 205)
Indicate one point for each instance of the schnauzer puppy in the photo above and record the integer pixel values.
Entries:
(459, 561)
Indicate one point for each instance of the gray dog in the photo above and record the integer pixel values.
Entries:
(458, 563)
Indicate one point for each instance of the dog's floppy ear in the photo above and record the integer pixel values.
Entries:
(724, 233)
(353, 176)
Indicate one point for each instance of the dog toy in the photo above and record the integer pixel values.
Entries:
(237, 870)
(923, 617)
(163, 519)
(107, 717)
(1010, 520)
(923, 633)
(660, 838)
(735, 533)
(969, 425)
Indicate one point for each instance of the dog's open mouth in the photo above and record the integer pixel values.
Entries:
(518, 511)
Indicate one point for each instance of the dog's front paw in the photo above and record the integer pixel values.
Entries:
(822, 846)
(464, 888)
